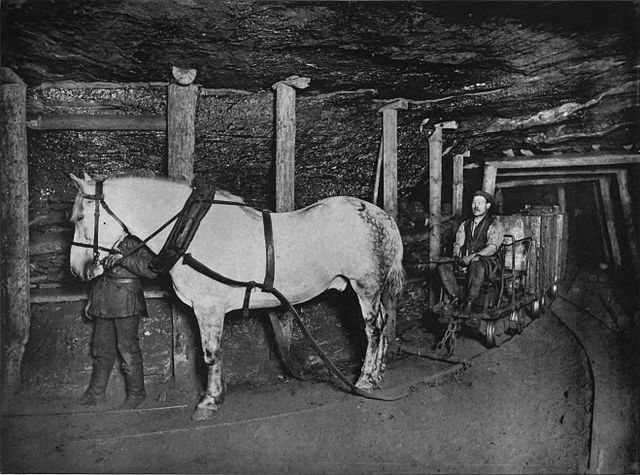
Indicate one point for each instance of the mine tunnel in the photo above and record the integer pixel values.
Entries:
(277, 159)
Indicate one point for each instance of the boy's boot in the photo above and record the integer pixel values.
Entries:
(134, 381)
(95, 393)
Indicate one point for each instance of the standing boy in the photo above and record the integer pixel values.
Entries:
(116, 303)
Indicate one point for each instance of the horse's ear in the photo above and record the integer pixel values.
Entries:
(87, 177)
(77, 180)
(80, 183)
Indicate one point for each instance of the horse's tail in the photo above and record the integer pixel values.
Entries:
(396, 277)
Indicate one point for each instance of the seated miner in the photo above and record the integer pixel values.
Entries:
(116, 303)
(475, 251)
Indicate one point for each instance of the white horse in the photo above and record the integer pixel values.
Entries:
(326, 245)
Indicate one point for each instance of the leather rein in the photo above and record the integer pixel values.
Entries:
(266, 286)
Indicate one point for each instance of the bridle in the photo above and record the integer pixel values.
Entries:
(98, 199)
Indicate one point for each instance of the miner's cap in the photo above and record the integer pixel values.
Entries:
(487, 196)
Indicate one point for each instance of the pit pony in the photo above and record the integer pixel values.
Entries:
(334, 242)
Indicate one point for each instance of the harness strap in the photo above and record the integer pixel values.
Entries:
(270, 266)
(284, 343)
(96, 220)
(113, 215)
(184, 230)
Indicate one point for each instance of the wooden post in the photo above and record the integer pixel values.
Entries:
(489, 180)
(458, 188)
(603, 230)
(605, 192)
(625, 199)
(498, 201)
(390, 162)
(285, 159)
(435, 195)
(15, 314)
(389, 158)
(286, 140)
(181, 107)
(181, 117)
(562, 200)
(390, 155)
(285, 146)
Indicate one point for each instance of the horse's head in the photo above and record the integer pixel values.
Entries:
(96, 229)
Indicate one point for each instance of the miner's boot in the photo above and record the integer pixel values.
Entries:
(95, 394)
(134, 381)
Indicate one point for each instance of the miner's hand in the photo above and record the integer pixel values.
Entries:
(85, 311)
(111, 260)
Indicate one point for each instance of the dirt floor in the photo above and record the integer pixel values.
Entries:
(525, 407)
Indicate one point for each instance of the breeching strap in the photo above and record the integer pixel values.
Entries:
(384, 395)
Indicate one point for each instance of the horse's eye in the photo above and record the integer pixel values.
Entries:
(79, 218)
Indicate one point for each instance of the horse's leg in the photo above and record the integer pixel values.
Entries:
(210, 322)
(374, 317)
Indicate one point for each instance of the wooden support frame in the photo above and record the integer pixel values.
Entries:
(544, 181)
(489, 179)
(607, 202)
(285, 147)
(285, 125)
(562, 198)
(98, 122)
(181, 109)
(15, 310)
(387, 166)
(458, 187)
(388, 158)
(625, 200)
(435, 197)
(601, 223)
(573, 168)
(390, 162)
(605, 192)
(285, 161)
(567, 160)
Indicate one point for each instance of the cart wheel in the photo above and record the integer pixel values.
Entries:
(495, 334)
(534, 309)
(490, 333)
(517, 321)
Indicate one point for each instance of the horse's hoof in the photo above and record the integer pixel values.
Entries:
(202, 414)
(365, 384)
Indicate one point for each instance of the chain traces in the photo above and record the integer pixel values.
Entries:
(448, 341)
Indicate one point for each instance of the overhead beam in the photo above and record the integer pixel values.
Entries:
(559, 172)
(542, 181)
(98, 122)
(566, 160)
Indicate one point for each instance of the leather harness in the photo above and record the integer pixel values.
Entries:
(184, 230)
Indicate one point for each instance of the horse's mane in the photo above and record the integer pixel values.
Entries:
(220, 193)
(148, 175)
